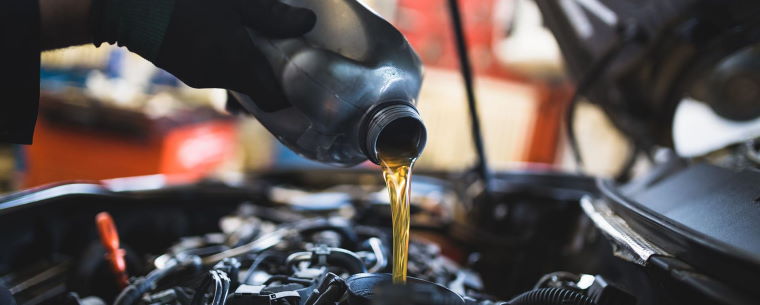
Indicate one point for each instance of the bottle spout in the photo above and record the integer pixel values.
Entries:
(395, 131)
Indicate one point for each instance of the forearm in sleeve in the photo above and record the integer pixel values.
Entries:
(20, 69)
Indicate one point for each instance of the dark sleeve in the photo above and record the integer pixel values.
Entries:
(20, 69)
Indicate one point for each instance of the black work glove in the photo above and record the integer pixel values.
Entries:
(204, 43)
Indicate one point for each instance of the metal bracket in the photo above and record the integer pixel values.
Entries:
(627, 244)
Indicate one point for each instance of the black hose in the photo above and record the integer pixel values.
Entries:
(256, 262)
(587, 81)
(335, 257)
(287, 279)
(624, 175)
(134, 291)
(551, 296)
(347, 260)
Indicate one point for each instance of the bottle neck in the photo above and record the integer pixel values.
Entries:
(395, 131)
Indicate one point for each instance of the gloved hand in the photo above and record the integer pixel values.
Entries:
(204, 43)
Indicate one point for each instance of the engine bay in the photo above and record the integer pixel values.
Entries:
(308, 241)
(323, 237)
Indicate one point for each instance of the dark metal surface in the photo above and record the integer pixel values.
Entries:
(362, 287)
(706, 218)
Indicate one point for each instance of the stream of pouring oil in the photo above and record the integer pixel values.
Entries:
(398, 177)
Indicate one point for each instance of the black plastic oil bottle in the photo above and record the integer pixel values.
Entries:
(352, 83)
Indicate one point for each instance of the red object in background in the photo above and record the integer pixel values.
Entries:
(72, 144)
(427, 26)
(109, 237)
(197, 149)
(552, 103)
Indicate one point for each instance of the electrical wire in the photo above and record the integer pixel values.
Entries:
(221, 283)
(256, 262)
(218, 287)
(225, 287)
(586, 82)
(624, 174)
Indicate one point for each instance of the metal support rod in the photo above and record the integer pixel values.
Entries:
(464, 65)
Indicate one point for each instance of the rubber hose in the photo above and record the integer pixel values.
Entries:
(347, 260)
(133, 292)
(551, 296)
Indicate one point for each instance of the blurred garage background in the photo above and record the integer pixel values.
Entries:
(107, 113)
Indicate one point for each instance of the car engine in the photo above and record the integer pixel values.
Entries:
(287, 238)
